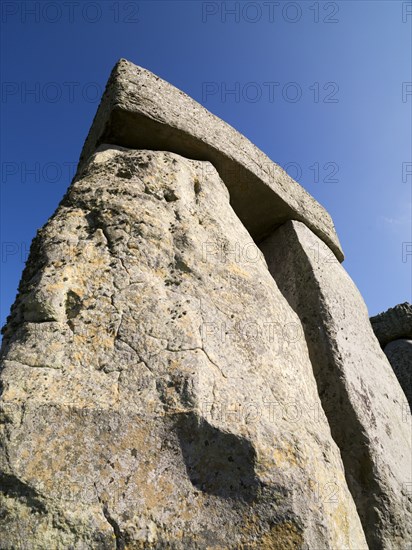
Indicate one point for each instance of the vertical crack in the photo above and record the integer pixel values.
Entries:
(120, 544)
(119, 537)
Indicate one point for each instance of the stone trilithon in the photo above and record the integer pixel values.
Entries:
(187, 365)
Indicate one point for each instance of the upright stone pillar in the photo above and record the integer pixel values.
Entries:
(393, 329)
(161, 387)
(157, 387)
(360, 393)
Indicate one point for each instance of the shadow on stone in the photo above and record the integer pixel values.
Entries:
(217, 463)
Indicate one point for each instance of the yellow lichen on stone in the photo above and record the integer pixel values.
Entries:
(283, 536)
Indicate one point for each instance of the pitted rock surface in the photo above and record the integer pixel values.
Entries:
(399, 353)
(157, 386)
(161, 386)
(393, 324)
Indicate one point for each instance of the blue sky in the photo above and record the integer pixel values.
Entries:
(321, 87)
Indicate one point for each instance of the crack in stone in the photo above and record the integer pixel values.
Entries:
(203, 345)
(136, 352)
(120, 543)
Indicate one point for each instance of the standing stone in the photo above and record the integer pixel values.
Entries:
(399, 353)
(393, 329)
(359, 391)
(159, 389)
(393, 324)
(157, 386)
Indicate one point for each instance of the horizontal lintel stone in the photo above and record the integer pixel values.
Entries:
(140, 110)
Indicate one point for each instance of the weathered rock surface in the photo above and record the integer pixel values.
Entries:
(393, 324)
(358, 389)
(160, 389)
(399, 353)
(157, 387)
(393, 328)
(142, 111)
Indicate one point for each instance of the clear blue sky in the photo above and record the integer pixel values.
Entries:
(318, 87)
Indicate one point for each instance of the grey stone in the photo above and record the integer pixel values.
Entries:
(140, 110)
(399, 353)
(360, 394)
(144, 404)
(393, 324)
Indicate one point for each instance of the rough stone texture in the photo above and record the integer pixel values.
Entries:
(399, 353)
(393, 324)
(144, 404)
(359, 391)
(142, 111)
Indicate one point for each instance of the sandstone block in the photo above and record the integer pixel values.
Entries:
(181, 410)
(140, 110)
(399, 353)
(360, 394)
(393, 324)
